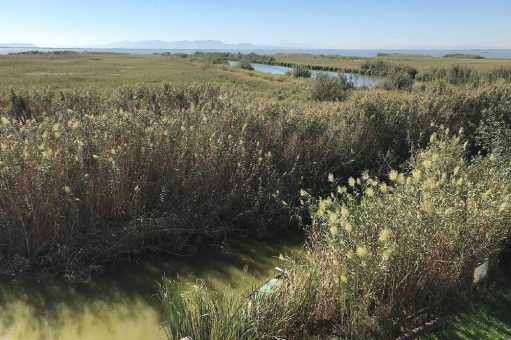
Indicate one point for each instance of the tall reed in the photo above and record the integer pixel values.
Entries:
(88, 176)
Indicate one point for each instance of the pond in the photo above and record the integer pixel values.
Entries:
(358, 81)
(122, 302)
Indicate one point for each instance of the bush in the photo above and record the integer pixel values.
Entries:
(301, 72)
(398, 80)
(384, 68)
(396, 248)
(494, 135)
(376, 67)
(463, 56)
(246, 66)
(327, 88)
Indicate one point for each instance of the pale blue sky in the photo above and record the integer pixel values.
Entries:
(370, 24)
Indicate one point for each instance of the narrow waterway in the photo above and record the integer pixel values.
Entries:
(122, 302)
(358, 81)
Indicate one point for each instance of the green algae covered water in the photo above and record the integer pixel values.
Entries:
(122, 302)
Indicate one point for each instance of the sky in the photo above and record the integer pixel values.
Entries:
(369, 24)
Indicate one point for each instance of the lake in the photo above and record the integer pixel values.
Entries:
(358, 81)
(122, 302)
(329, 52)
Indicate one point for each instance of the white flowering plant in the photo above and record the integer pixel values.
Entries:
(390, 248)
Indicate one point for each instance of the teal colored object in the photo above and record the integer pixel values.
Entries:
(268, 287)
(262, 292)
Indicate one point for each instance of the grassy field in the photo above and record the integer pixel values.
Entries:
(421, 63)
(107, 71)
(488, 318)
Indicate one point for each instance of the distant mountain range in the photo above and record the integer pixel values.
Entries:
(183, 45)
(164, 45)
(18, 45)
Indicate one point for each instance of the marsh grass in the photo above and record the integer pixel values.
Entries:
(410, 244)
(108, 71)
(89, 176)
(201, 313)
(384, 68)
(383, 255)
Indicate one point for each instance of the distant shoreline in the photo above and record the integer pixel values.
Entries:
(487, 53)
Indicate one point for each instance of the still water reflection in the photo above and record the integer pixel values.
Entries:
(358, 80)
(122, 303)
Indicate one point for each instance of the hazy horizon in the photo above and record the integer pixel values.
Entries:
(227, 46)
(373, 25)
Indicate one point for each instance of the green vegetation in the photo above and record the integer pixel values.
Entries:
(325, 87)
(410, 243)
(128, 154)
(398, 80)
(454, 74)
(463, 56)
(489, 317)
(455, 68)
(420, 62)
(463, 75)
(205, 314)
(301, 72)
(50, 52)
(381, 251)
(120, 172)
(106, 72)
(246, 66)
(384, 69)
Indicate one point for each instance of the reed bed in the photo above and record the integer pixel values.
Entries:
(88, 177)
(384, 255)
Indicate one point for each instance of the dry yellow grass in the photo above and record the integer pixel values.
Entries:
(420, 62)
(104, 71)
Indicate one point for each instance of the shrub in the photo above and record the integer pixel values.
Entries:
(384, 68)
(325, 87)
(460, 75)
(494, 135)
(246, 66)
(463, 56)
(376, 67)
(412, 243)
(398, 80)
(301, 72)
